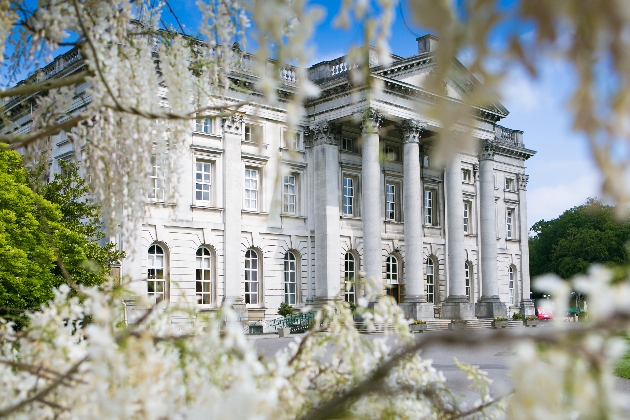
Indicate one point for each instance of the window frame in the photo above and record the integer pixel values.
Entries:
(430, 285)
(430, 220)
(392, 269)
(352, 198)
(391, 153)
(155, 183)
(250, 170)
(287, 273)
(285, 205)
(204, 125)
(467, 217)
(206, 255)
(510, 184)
(467, 176)
(350, 282)
(287, 139)
(345, 142)
(252, 255)
(468, 280)
(511, 281)
(152, 292)
(196, 182)
(390, 201)
(510, 214)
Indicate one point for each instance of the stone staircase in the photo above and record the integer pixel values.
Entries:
(472, 324)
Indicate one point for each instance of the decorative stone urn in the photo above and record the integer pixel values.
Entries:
(284, 332)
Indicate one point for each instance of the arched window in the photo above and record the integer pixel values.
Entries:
(430, 281)
(290, 278)
(203, 276)
(511, 278)
(391, 270)
(251, 277)
(467, 274)
(349, 276)
(156, 284)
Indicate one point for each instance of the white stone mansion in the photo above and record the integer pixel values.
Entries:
(268, 216)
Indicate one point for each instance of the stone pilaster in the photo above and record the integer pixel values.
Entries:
(456, 305)
(489, 305)
(325, 138)
(371, 197)
(527, 305)
(415, 304)
(233, 204)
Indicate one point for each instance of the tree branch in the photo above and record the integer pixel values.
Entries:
(16, 141)
(41, 394)
(46, 85)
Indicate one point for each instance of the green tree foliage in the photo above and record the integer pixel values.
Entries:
(581, 236)
(36, 227)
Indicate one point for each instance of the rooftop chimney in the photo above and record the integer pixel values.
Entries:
(427, 43)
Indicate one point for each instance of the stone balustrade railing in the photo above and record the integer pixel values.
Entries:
(508, 136)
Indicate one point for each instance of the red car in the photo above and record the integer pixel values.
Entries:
(544, 312)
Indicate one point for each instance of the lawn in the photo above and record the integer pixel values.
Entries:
(622, 367)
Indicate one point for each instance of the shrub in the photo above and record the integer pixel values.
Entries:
(285, 309)
(516, 316)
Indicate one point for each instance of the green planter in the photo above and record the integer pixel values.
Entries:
(530, 322)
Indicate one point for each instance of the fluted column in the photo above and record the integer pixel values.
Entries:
(527, 305)
(412, 210)
(325, 137)
(415, 305)
(456, 305)
(232, 204)
(489, 305)
(371, 204)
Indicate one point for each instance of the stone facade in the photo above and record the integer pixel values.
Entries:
(266, 216)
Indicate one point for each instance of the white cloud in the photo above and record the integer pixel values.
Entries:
(550, 201)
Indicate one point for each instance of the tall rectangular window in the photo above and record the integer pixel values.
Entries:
(247, 132)
(466, 175)
(466, 217)
(390, 153)
(346, 144)
(156, 192)
(509, 221)
(292, 140)
(509, 184)
(348, 196)
(288, 198)
(390, 201)
(511, 284)
(430, 267)
(428, 207)
(203, 125)
(202, 181)
(251, 189)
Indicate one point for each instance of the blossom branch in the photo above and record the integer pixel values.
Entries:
(46, 85)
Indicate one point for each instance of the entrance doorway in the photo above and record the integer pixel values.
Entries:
(397, 291)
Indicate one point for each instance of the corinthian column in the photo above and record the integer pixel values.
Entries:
(527, 305)
(415, 304)
(456, 305)
(232, 203)
(489, 305)
(371, 189)
(325, 137)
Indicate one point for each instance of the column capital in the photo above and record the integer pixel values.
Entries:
(233, 124)
(488, 150)
(370, 121)
(522, 181)
(325, 132)
(411, 130)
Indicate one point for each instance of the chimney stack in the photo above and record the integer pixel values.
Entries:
(427, 43)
